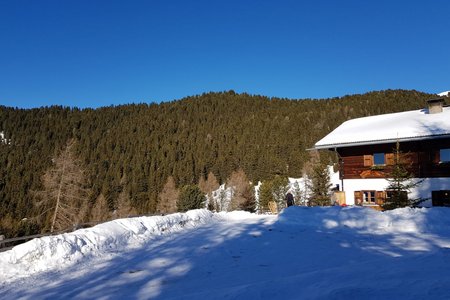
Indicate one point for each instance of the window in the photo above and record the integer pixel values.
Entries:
(378, 159)
(369, 197)
(444, 155)
(440, 198)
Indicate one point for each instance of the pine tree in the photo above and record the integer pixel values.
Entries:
(400, 183)
(191, 197)
(265, 195)
(320, 186)
(280, 187)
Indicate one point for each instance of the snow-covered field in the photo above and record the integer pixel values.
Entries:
(304, 253)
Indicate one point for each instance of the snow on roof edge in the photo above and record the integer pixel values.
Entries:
(381, 141)
(388, 128)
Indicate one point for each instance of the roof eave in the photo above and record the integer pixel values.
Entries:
(384, 141)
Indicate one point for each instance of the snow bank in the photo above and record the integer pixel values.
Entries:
(407, 226)
(55, 252)
(363, 219)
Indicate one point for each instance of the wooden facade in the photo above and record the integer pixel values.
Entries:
(422, 159)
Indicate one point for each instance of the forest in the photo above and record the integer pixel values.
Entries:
(96, 164)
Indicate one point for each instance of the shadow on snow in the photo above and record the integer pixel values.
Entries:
(260, 259)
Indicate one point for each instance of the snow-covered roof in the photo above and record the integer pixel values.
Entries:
(443, 94)
(388, 128)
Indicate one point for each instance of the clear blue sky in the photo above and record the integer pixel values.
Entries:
(97, 53)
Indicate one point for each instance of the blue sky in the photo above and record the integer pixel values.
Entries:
(99, 53)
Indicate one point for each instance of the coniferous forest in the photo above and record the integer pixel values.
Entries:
(119, 158)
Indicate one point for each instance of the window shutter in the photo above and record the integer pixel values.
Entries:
(358, 198)
(368, 160)
(381, 197)
(436, 157)
(389, 159)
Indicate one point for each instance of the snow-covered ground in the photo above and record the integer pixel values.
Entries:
(304, 253)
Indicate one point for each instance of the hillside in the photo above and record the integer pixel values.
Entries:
(128, 152)
(304, 253)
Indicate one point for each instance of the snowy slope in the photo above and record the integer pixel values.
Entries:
(304, 253)
(444, 94)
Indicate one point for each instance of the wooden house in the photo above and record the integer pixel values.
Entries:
(366, 147)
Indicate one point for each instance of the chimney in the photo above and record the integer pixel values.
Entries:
(435, 106)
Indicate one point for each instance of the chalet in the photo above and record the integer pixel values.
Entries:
(366, 146)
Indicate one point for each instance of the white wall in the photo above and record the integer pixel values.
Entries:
(352, 185)
(422, 191)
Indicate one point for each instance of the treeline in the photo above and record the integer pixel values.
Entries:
(127, 153)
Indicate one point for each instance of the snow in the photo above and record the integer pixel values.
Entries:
(66, 249)
(4, 140)
(444, 94)
(303, 253)
(408, 125)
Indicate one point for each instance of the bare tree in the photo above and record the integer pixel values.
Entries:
(64, 193)
(243, 197)
(124, 207)
(100, 210)
(208, 187)
(167, 199)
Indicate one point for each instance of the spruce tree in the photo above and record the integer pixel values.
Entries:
(320, 185)
(280, 187)
(265, 195)
(191, 197)
(400, 182)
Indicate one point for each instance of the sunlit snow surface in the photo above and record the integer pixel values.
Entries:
(304, 253)
(407, 125)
